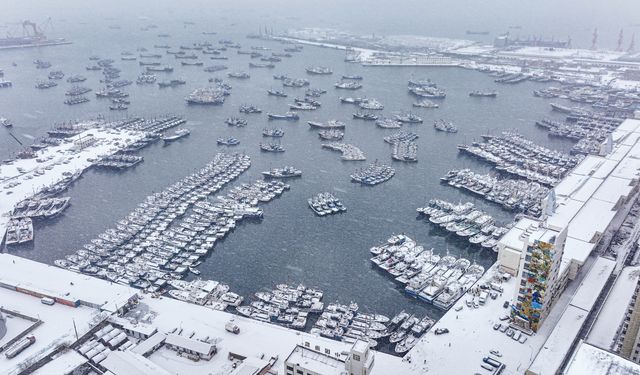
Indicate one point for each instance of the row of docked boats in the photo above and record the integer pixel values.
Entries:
(364, 103)
(512, 194)
(118, 161)
(323, 204)
(168, 234)
(511, 153)
(209, 293)
(425, 275)
(400, 136)
(349, 151)
(76, 100)
(344, 322)
(40, 207)
(207, 96)
(426, 89)
(19, 231)
(373, 174)
(286, 305)
(406, 151)
(465, 221)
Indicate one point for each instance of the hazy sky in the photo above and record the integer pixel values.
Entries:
(547, 18)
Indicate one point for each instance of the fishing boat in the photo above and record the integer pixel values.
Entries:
(180, 133)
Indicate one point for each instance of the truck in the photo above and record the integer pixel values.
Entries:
(232, 327)
(19, 346)
(483, 297)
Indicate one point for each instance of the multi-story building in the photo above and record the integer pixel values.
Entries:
(538, 277)
(628, 343)
(305, 360)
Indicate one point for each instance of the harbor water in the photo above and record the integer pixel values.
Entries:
(290, 244)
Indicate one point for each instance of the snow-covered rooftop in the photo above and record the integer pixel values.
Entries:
(55, 282)
(31, 175)
(592, 360)
(63, 364)
(558, 345)
(256, 340)
(603, 332)
(594, 189)
(129, 363)
(57, 327)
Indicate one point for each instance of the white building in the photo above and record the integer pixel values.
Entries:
(308, 360)
(586, 207)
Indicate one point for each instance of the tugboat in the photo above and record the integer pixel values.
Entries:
(239, 75)
(228, 141)
(271, 147)
(365, 116)
(348, 85)
(274, 133)
(426, 103)
(350, 100)
(6, 122)
(302, 106)
(488, 94)
(284, 172)
(289, 116)
(245, 108)
(277, 93)
(409, 118)
(331, 124)
(166, 69)
(319, 70)
(172, 83)
(180, 133)
(445, 126)
(236, 121)
(331, 134)
(118, 107)
(371, 104)
(76, 100)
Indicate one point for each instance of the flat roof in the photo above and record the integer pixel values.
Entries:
(558, 344)
(585, 297)
(63, 364)
(612, 189)
(592, 360)
(316, 362)
(471, 337)
(556, 348)
(191, 344)
(614, 308)
(145, 346)
(57, 327)
(129, 363)
(584, 226)
(60, 283)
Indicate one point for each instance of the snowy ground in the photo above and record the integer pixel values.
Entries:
(472, 336)
(25, 177)
(57, 327)
(255, 340)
